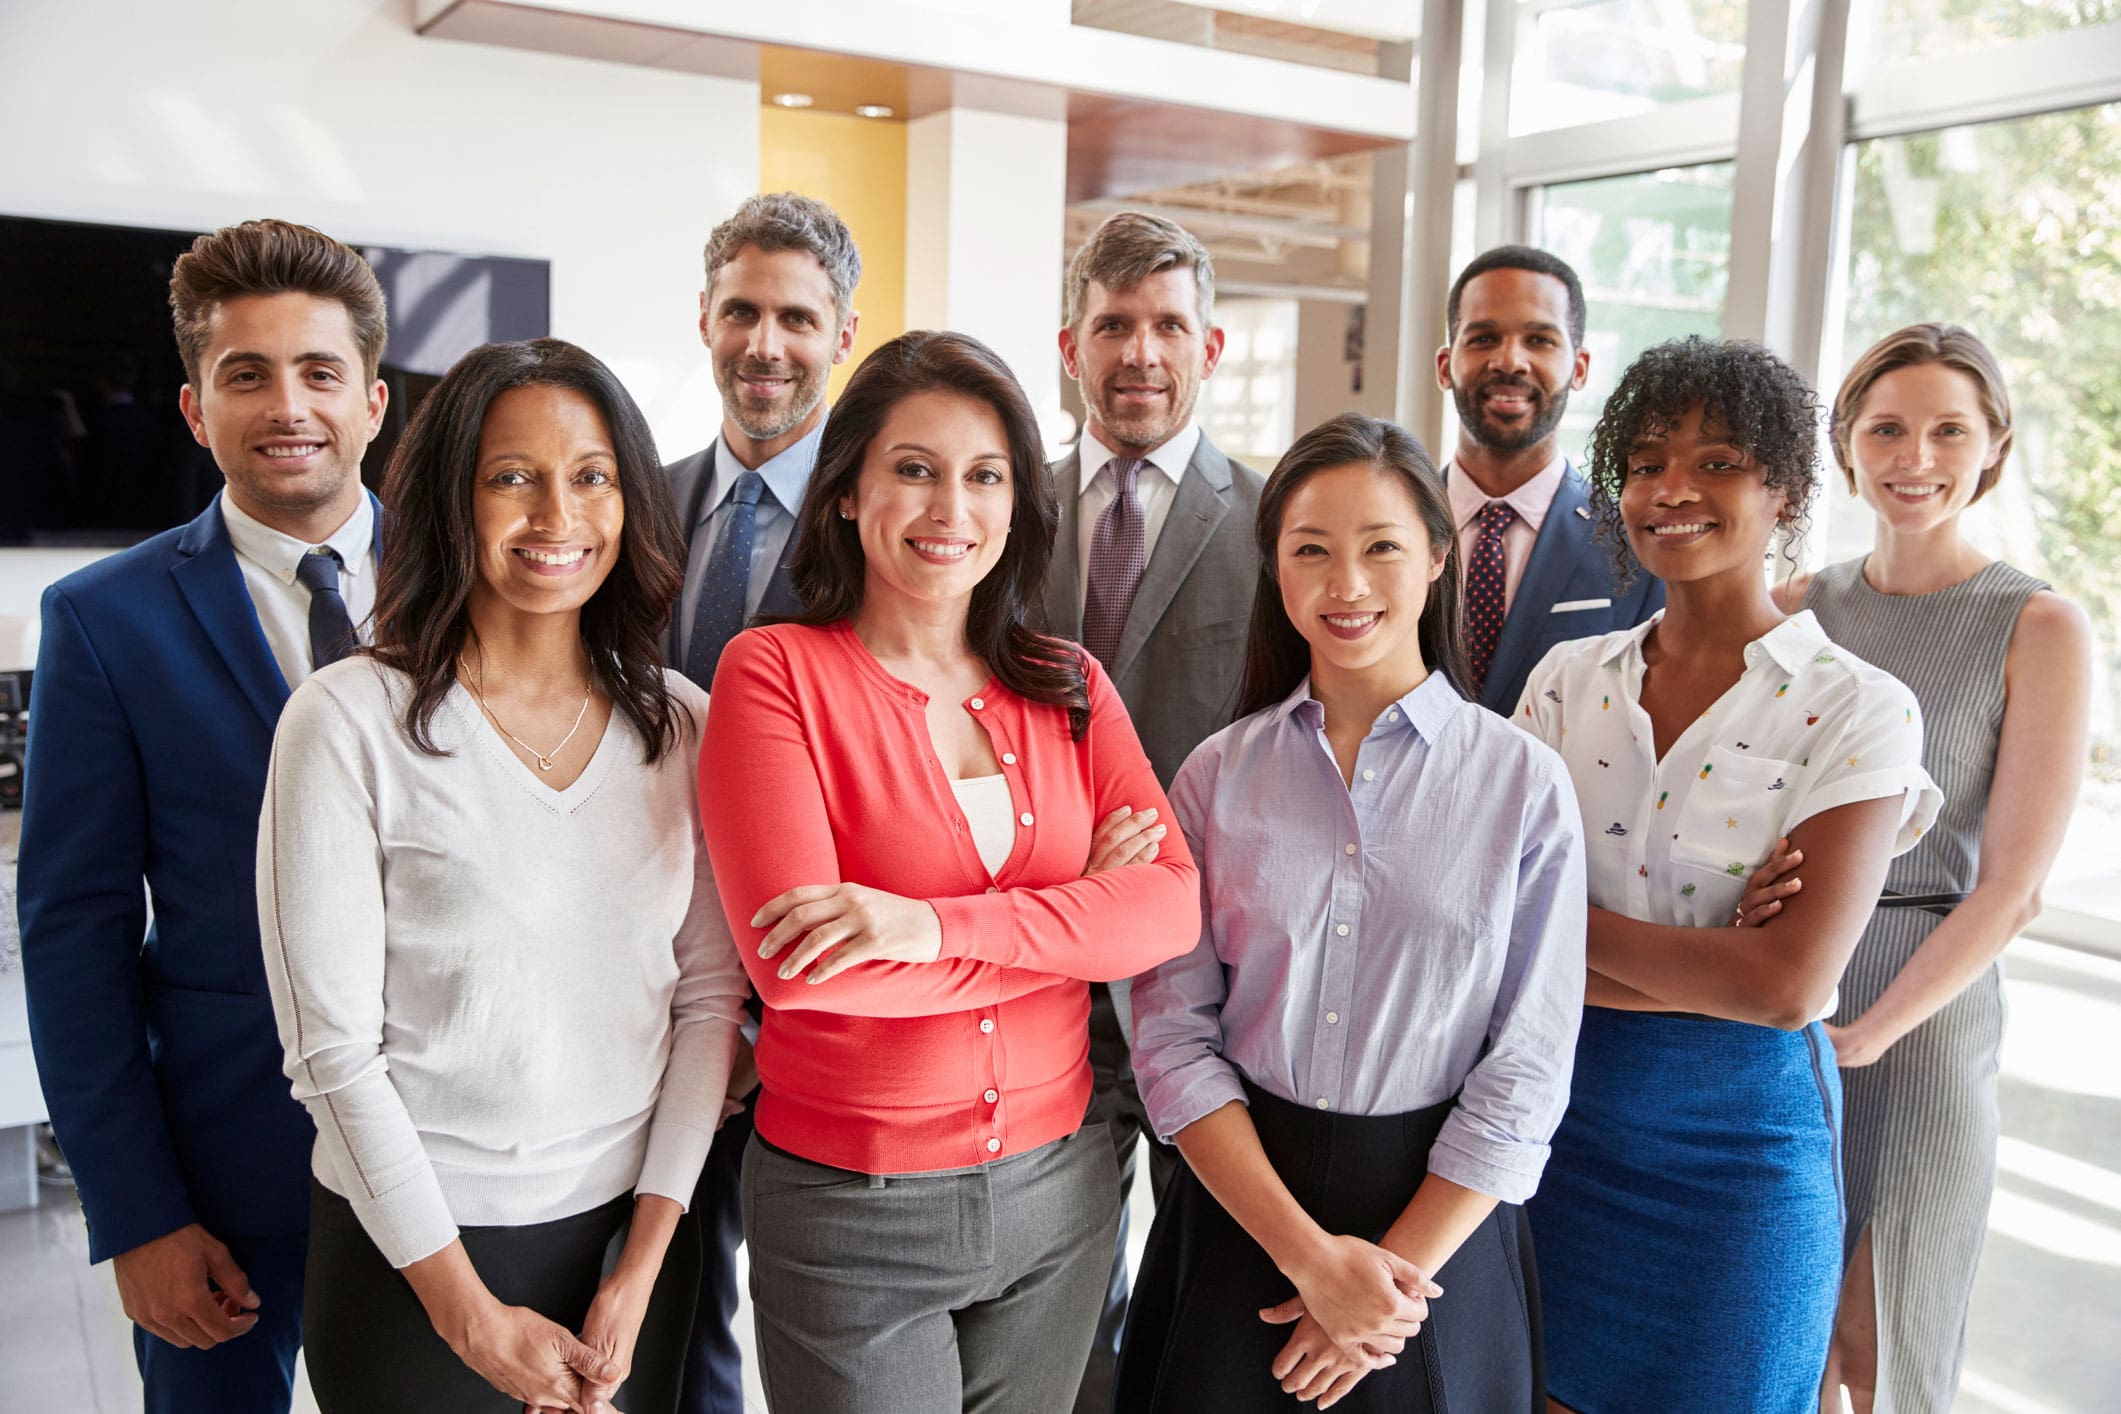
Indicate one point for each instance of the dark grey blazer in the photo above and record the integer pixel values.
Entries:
(690, 480)
(1182, 651)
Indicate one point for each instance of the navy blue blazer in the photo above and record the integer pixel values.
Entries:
(1568, 591)
(151, 721)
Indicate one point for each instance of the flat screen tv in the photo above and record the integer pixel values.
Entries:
(93, 450)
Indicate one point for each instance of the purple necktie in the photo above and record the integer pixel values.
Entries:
(1119, 552)
(1486, 579)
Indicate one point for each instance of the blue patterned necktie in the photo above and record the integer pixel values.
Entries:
(718, 615)
(331, 631)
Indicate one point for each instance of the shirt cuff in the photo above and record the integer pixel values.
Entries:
(409, 1222)
(1190, 1094)
(1920, 799)
(976, 926)
(671, 1168)
(1507, 1170)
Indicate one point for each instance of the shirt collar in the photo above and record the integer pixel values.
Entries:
(279, 553)
(1531, 501)
(1171, 458)
(1791, 644)
(1425, 709)
(786, 473)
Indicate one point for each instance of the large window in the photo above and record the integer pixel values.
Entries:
(1921, 29)
(1579, 61)
(1653, 250)
(2014, 229)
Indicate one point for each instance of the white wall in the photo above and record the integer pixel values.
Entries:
(334, 112)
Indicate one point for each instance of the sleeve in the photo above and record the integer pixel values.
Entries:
(320, 917)
(1178, 1037)
(1876, 752)
(706, 1017)
(83, 914)
(1112, 924)
(1496, 1138)
(768, 831)
(1539, 709)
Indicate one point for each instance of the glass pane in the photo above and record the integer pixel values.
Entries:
(1653, 250)
(1917, 29)
(1248, 408)
(2014, 230)
(1585, 60)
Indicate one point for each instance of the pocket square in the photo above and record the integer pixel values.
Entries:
(1568, 606)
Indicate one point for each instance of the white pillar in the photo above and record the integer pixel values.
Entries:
(986, 204)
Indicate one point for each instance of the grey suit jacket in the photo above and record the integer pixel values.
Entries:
(1182, 651)
(690, 480)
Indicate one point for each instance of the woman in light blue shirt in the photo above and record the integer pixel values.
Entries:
(1362, 1059)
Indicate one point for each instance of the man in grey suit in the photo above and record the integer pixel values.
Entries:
(776, 314)
(1153, 571)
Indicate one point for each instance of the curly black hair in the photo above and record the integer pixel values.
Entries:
(1752, 397)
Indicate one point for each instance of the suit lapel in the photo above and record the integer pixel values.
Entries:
(1064, 572)
(1564, 539)
(212, 585)
(1202, 502)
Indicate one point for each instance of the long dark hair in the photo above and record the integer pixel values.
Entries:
(431, 554)
(828, 569)
(1276, 655)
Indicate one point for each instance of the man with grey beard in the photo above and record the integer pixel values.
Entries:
(776, 314)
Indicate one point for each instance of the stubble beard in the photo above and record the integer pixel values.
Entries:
(764, 424)
(1545, 419)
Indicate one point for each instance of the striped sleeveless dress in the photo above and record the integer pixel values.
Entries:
(1920, 1125)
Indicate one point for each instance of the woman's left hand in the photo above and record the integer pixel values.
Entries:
(614, 1324)
(1312, 1367)
(1853, 1044)
(844, 924)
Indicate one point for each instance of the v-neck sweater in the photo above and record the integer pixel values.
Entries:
(818, 768)
(502, 1003)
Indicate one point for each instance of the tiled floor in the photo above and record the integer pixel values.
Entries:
(2045, 1308)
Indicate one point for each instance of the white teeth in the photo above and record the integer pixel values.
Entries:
(288, 453)
(552, 557)
(1351, 620)
(950, 551)
(1678, 529)
(1917, 492)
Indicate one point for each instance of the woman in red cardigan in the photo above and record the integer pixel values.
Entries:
(899, 792)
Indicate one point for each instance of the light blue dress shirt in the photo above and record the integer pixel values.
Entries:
(1378, 948)
(786, 475)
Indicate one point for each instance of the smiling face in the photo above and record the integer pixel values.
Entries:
(1696, 505)
(770, 324)
(1511, 367)
(546, 504)
(933, 501)
(283, 405)
(1919, 445)
(1140, 355)
(1354, 565)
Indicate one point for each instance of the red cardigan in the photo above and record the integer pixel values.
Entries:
(817, 768)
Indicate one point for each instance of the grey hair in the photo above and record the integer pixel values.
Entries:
(1130, 246)
(786, 220)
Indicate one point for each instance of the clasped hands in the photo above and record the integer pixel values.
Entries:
(1356, 1306)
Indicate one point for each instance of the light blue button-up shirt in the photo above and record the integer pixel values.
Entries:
(1379, 947)
(786, 476)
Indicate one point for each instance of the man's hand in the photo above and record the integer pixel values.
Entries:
(169, 1288)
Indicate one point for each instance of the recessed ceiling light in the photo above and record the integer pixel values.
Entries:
(873, 110)
(792, 100)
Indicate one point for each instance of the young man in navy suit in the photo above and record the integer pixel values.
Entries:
(160, 676)
(1533, 576)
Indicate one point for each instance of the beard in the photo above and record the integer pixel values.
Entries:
(765, 419)
(1140, 430)
(1547, 410)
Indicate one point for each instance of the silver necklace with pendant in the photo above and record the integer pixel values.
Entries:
(544, 758)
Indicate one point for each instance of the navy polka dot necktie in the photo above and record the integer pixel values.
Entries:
(718, 615)
(1486, 602)
(331, 630)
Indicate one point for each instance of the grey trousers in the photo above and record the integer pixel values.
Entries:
(974, 1289)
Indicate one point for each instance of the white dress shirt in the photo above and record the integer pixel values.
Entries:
(786, 476)
(1156, 493)
(268, 559)
(1531, 501)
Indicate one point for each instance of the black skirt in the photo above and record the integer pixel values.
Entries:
(1194, 1339)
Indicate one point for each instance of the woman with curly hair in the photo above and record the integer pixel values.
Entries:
(1689, 1223)
(2002, 667)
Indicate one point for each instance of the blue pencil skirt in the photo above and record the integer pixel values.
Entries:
(1689, 1221)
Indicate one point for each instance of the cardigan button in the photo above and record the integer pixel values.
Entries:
(977, 704)
(993, 888)
(993, 1095)
(1008, 758)
(994, 1146)
(1024, 819)
(986, 1026)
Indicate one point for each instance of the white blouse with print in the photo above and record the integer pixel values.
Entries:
(1806, 728)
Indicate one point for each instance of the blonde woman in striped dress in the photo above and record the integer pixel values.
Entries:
(2002, 668)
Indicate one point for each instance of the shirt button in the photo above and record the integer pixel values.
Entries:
(1332, 1018)
(977, 704)
(1392, 716)
(1369, 775)
(1347, 849)
(986, 1026)
(1342, 930)
(1024, 819)
(994, 1146)
(1321, 1102)
(1008, 758)
(993, 1095)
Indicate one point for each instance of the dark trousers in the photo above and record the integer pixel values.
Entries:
(714, 1366)
(1117, 1104)
(255, 1372)
(372, 1349)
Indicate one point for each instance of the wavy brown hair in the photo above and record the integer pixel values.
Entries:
(431, 551)
(1276, 655)
(828, 570)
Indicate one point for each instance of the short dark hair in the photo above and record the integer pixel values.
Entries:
(272, 258)
(1746, 393)
(1276, 655)
(828, 569)
(1519, 257)
(786, 220)
(432, 560)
